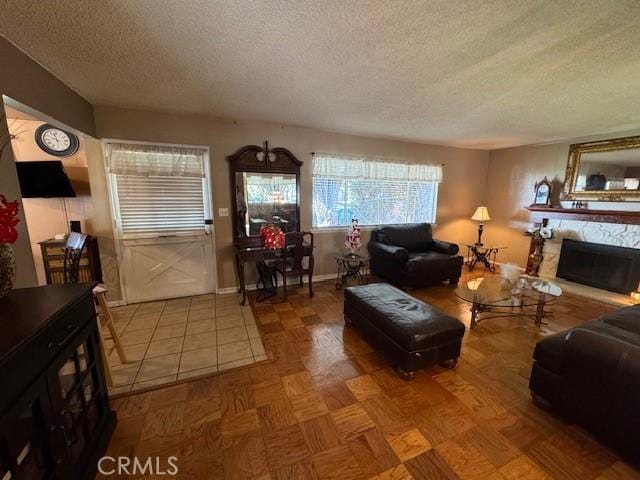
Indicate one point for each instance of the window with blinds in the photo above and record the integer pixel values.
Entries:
(373, 191)
(158, 189)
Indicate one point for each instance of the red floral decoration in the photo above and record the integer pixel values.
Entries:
(273, 237)
(8, 220)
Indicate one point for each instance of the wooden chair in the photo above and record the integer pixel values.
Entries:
(106, 320)
(298, 246)
(72, 253)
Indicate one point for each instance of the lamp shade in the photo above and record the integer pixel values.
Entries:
(481, 215)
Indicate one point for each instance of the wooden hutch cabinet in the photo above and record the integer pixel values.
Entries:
(53, 259)
(55, 419)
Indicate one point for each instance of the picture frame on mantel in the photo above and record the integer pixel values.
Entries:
(542, 193)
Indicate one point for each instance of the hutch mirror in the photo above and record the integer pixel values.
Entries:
(265, 187)
(607, 170)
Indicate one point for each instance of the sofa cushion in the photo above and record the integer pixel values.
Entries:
(410, 322)
(412, 236)
(379, 248)
(428, 261)
(626, 318)
(548, 352)
(444, 247)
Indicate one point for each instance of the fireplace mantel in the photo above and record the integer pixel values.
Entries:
(585, 215)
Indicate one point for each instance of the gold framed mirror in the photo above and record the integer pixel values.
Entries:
(606, 170)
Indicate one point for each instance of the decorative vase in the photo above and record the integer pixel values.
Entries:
(7, 269)
(535, 259)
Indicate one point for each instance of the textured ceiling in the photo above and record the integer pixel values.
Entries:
(483, 74)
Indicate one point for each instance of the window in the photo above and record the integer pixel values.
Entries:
(158, 189)
(268, 188)
(375, 192)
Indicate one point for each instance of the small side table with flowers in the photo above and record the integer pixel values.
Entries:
(351, 264)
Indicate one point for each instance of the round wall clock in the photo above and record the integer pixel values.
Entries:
(55, 141)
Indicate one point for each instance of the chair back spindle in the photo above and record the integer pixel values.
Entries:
(298, 246)
(298, 242)
(72, 253)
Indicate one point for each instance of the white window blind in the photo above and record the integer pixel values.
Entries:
(158, 189)
(373, 191)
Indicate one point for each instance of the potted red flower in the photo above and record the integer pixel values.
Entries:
(8, 235)
(272, 237)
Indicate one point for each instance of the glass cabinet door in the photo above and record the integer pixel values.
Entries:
(77, 397)
(28, 446)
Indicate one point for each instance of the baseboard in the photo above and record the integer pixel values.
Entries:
(227, 290)
(326, 276)
(116, 303)
(316, 278)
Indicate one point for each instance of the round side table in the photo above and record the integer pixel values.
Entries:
(351, 265)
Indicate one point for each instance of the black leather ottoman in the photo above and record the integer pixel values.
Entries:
(413, 333)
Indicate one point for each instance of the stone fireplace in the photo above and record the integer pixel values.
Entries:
(621, 235)
(604, 227)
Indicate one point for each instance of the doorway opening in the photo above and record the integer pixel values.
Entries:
(63, 189)
(162, 210)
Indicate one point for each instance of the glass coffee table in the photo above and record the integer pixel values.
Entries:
(493, 297)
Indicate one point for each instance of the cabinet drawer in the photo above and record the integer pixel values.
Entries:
(61, 331)
(47, 344)
(54, 250)
(59, 263)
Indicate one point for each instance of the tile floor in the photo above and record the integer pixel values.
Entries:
(172, 340)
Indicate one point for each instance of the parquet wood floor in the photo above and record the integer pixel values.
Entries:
(326, 406)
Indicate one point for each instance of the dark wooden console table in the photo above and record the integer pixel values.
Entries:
(255, 254)
(55, 419)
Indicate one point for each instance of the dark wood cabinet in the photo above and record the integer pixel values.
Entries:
(53, 260)
(27, 451)
(55, 420)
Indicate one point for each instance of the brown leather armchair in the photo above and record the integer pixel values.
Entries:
(408, 256)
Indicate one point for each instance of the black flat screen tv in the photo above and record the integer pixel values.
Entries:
(46, 179)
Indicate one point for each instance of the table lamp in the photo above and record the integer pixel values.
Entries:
(481, 215)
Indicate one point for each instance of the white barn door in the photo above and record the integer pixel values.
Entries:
(167, 267)
(161, 204)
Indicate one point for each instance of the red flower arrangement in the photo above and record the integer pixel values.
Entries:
(8, 220)
(273, 237)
